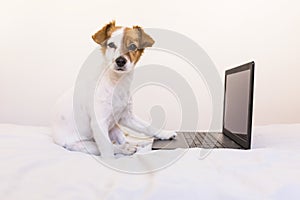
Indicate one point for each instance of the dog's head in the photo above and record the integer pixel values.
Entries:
(122, 46)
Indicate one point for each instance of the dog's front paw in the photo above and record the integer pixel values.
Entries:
(129, 149)
(125, 149)
(166, 135)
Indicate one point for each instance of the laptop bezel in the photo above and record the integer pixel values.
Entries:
(246, 144)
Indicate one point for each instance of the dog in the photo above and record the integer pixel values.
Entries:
(100, 132)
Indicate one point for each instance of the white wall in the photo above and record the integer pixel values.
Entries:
(44, 43)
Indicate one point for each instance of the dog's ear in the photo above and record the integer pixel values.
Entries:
(104, 33)
(144, 38)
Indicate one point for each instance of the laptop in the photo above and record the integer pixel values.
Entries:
(237, 116)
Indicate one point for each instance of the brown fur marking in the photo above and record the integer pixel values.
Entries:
(137, 36)
(104, 34)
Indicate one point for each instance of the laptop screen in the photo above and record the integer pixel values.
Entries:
(237, 117)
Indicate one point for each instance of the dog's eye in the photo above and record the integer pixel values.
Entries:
(112, 45)
(132, 47)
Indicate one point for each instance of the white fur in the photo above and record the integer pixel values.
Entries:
(99, 127)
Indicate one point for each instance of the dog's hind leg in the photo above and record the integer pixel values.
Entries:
(85, 146)
(124, 145)
(125, 149)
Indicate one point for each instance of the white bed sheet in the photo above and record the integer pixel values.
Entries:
(33, 167)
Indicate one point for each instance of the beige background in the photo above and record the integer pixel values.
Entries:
(44, 43)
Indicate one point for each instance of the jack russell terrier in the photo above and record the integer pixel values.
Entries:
(100, 133)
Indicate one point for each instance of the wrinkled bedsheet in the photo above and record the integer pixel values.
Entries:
(33, 167)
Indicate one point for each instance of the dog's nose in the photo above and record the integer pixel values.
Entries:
(121, 61)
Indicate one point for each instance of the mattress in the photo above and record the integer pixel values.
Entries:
(33, 167)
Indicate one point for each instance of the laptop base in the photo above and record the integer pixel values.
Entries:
(197, 139)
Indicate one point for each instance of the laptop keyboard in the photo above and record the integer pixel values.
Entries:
(209, 140)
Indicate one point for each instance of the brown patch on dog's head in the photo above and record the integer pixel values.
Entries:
(102, 35)
(134, 42)
(144, 39)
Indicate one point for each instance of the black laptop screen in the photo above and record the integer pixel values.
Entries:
(238, 104)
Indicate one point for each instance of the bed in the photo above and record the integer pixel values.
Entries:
(33, 167)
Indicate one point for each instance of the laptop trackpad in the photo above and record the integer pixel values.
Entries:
(178, 142)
